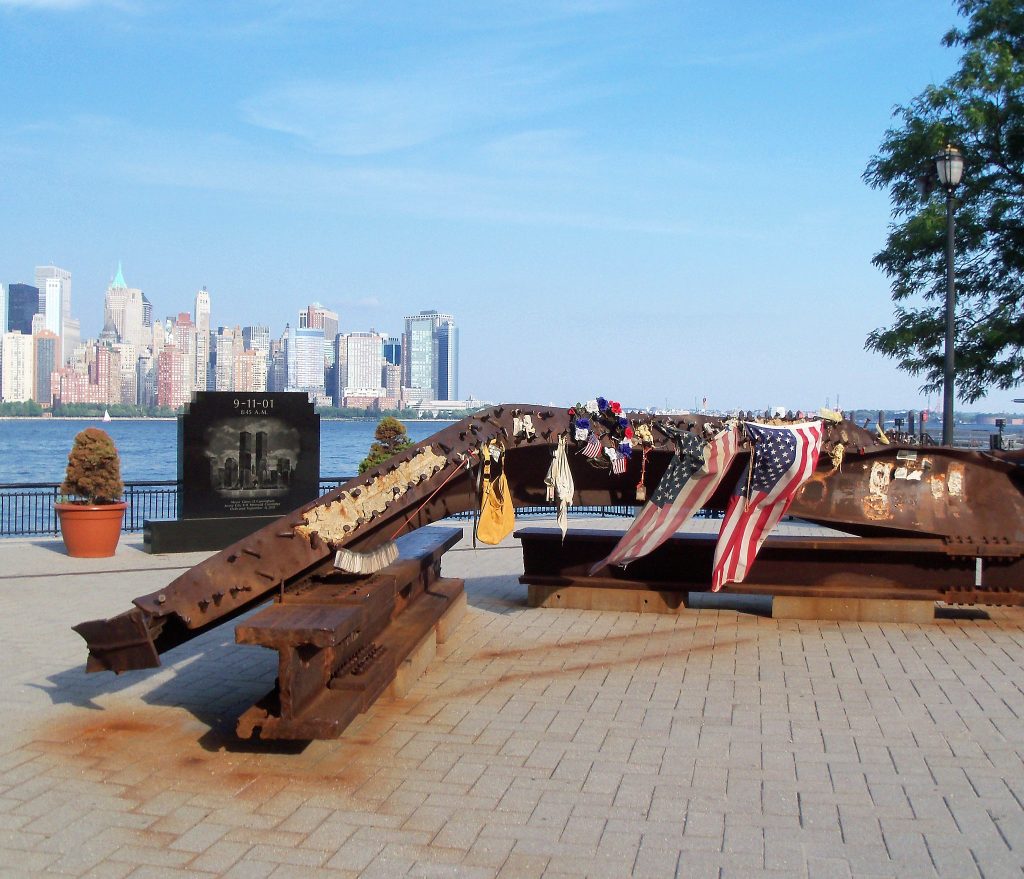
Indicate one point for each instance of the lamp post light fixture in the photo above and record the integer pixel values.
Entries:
(949, 167)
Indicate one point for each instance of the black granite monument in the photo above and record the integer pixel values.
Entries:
(244, 459)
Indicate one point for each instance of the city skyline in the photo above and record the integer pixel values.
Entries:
(592, 187)
(141, 359)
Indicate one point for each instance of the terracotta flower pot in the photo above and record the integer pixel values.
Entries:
(91, 531)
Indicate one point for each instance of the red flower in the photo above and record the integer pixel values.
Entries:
(629, 432)
(615, 407)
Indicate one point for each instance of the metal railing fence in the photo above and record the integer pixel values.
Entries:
(27, 508)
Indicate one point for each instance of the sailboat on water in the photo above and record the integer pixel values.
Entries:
(106, 415)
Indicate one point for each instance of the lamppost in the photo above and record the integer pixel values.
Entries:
(949, 165)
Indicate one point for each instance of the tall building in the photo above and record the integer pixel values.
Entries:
(202, 319)
(183, 331)
(127, 388)
(54, 286)
(316, 316)
(22, 303)
(250, 371)
(430, 356)
(173, 382)
(227, 346)
(105, 371)
(447, 383)
(16, 368)
(46, 359)
(392, 379)
(277, 363)
(393, 350)
(256, 338)
(145, 379)
(364, 361)
(123, 308)
(304, 355)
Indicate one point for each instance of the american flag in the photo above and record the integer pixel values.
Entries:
(693, 474)
(619, 461)
(783, 459)
(593, 447)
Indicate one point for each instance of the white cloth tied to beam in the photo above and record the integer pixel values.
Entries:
(560, 485)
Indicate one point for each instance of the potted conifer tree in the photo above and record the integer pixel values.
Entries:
(92, 510)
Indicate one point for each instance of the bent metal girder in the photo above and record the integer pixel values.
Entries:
(970, 500)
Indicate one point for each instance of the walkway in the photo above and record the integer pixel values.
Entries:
(539, 743)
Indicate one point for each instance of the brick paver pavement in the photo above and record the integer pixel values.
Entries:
(715, 743)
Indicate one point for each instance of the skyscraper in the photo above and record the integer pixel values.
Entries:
(46, 358)
(257, 340)
(364, 359)
(22, 303)
(55, 300)
(277, 363)
(304, 355)
(184, 334)
(173, 383)
(16, 368)
(430, 356)
(228, 345)
(123, 307)
(316, 316)
(202, 320)
(447, 384)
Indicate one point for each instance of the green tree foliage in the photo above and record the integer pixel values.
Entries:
(26, 409)
(94, 469)
(980, 110)
(391, 439)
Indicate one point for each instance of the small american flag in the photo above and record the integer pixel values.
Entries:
(618, 460)
(783, 459)
(693, 474)
(593, 447)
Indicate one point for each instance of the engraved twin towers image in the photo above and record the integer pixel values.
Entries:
(260, 458)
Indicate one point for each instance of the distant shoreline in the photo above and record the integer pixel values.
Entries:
(114, 419)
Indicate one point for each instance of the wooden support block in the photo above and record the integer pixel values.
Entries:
(598, 598)
(451, 617)
(862, 610)
(410, 669)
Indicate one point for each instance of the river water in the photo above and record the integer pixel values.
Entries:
(36, 449)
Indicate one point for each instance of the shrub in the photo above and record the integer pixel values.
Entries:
(94, 469)
(392, 438)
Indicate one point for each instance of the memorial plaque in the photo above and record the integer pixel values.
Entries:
(247, 454)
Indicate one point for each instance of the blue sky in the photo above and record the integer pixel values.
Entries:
(651, 201)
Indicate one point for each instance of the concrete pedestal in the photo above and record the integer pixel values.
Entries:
(597, 598)
(862, 610)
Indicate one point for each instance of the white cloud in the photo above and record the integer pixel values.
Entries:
(356, 119)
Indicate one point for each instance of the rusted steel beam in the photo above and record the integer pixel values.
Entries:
(340, 638)
(879, 490)
(931, 569)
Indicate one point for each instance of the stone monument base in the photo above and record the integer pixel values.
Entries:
(196, 535)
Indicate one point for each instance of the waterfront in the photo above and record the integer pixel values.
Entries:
(36, 449)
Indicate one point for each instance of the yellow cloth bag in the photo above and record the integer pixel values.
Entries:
(497, 515)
